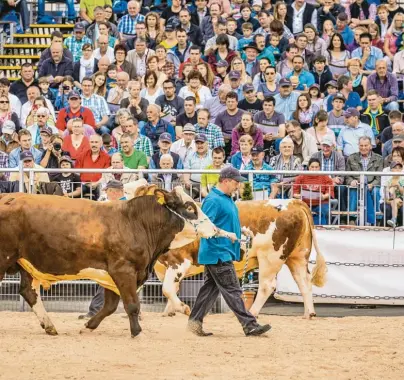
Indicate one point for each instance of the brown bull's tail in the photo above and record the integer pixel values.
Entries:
(319, 275)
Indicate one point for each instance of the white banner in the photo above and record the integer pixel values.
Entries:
(364, 267)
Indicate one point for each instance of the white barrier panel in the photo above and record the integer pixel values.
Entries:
(365, 266)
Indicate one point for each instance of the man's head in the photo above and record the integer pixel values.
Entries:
(74, 100)
(65, 162)
(298, 63)
(285, 87)
(114, 190)
(235, 79)
(344, 83)
(231, 101)
(27, 72)
(27, 159)
(397, 128)
(195, 54)
(103, 64)
(395, 117)
(396, 166)
(218, 156)
(251, 52)
(220, 27)
(301, 41)
(291, 51)
(99, 14)
(294, 130)
(203, 117)
(56, 37)
(165, 142)
(122, 79)
(153, 113)
(189, 105)
(398, 141)
(268, 105)
(257, 156)
(169, 89)
(56, 52)
(79, 31)
(365, 145)
(25, 139)
(117, 161)
(249, 93)
(161, 52)
(42, 115)
(201, 143)
(365, 40)
(374, 100)
(327, 145)
(32, 93)
(134, 87)
(133, 8)
(127, 144)
(140, 46)
(342, 21)
(166, 161)
(182, 37)
(4, 86)
(188, 133)
(87, 86)
(185, 17)
(229, 180)
(224, 89)
(381, 68)
(95, 143)
(338, 102)
(130, 126)
(140, 29)
(259, 41)
(215, 10)
(351, 116)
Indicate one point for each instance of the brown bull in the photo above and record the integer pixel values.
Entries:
(48, 239)
(283, 234)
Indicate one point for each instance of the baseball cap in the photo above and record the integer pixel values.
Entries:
(114, 184)
(42, 111)
(351, 112)
(398, 138)
(222, 63)
(342, 16)
(327, 140)
(169, 28)
(234, 75)
(26, 155)
(394, 164)
(257, 149)
(285, 82)
(188, 128)
(248, 87)
(257, 2)
(339, 96)
(73, 94)
(230, 172)
(331, 83)
(8, 127)
(200, 137)
(46, 130)
(65, 158)
(79, 27)
(165, 136)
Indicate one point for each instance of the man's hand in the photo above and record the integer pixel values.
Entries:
(337, 180)
(370, 187)
(269, 137)
(366, 52)
(247, 232)
(58, 79)
(232, 236)
(354, 183)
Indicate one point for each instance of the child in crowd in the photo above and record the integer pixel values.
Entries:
(108, 144)
(69, 182)
(395, 191)
(273, 47)
(256, 7)
(315, 96)
(111, 76)
(235, 8)
(46, 92)
(331, 89)
(247, 39)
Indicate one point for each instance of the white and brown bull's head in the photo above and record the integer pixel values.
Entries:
(196, 223)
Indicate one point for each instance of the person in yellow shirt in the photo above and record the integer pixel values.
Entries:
(210, 180)
(87, 8)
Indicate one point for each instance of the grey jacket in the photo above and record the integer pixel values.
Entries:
(354, 164)
(339, 161)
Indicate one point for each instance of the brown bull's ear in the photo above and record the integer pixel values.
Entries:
(140, 191)
(161, 196)
(151, 189)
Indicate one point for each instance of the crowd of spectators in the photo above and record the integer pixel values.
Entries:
(259, 85)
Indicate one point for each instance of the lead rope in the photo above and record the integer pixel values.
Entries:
(244, 278)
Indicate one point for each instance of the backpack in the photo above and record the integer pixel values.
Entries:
(14, 17)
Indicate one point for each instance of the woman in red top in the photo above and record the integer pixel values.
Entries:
(316, 191)
(76, 143)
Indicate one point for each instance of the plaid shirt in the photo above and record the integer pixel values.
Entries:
(75, 46)
(4, 164)
(365, 161)
(144, 144)
(168, 68)
(98, 105)
(327, 164)
(213, 133)
(127, 24)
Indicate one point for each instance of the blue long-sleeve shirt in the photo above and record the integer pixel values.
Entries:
(262, 181)
(14, 157)
(223, 213)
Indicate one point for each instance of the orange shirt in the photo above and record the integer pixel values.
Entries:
(85, 161)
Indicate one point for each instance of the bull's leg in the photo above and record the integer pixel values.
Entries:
(30, 290)
(302, 276)
(111, 301)
(171, 286)
(269, 265)
(125, 278)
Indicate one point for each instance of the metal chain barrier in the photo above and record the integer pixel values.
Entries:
(344, 296)
(361, 264)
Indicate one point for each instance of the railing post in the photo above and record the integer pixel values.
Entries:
(362, 206)
(21, 178)
(31, 181)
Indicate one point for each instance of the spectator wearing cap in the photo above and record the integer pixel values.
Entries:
(345, 87)
(115, 191)
(42, 116)
(45, 135)
(246, 126)
(220, 28)
(127, 24)
(25, 144)
(155, 125)
(28, 161)
(348, 138)
(301, 79)
(188, 116)
(186, 145)
(343, 29)
(299, 13)
(286, 100)
(252, 66)
(68, 182)
(217, 104)
(165, 142)
(76, 41)
(364, 160)
(208, 181)
(9, 137)
(321, 72)
(211, 131)
(57, 66)
(396, 142)
(250, 103)
(74, 110)
(221, 72)
(385, 84)
(196, 89)
(261, 182)
(76, 143)
(200, 159)
(117, 163)
(235, 83)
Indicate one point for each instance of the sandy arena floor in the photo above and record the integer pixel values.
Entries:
(326, 348)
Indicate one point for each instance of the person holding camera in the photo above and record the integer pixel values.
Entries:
(51, 156)
(62, 96)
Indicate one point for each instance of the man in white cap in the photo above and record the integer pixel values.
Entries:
(42, 117)
(185, 146)
(8, 139)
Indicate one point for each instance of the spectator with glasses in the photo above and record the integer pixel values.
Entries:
(86, 66)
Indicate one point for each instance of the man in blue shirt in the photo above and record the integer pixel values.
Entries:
(301, 79)
(367, 53)
(218, 254)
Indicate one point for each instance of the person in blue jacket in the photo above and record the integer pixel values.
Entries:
(218, 254)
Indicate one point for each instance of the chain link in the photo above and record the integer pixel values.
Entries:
(377, 298)
(337, 263)
(355, 229)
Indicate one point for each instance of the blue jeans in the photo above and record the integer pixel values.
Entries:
(321, 216)
(392, 106)
(71, 12)
(372, 203)
(103, 130)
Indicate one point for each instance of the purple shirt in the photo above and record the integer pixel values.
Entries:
(227, 122)
(236, 134)
(388, 89)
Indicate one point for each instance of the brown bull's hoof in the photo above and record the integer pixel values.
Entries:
(187, 310)
(51, 331)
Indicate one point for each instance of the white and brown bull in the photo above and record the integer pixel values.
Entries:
(283, 233)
